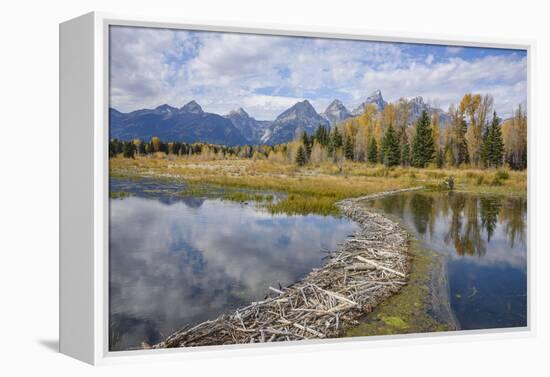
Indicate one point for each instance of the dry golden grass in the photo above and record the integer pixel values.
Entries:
(314, 189)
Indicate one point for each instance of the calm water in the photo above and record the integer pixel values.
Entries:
(178, 261)
(484, 240)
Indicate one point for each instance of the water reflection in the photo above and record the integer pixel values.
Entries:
(485, 242)
(174, 263)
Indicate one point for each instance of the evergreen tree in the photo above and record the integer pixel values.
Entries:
(423, 143)
(114, 148)
(391, 148)
(372, 155)
(128, 149)
(405, 147)
(308, 144)
(337, 140)
(484, 145)
(141, 149)
(348, 149)
(322, 135)
(405, 154)
(440, 158)
(301, 156)
(494, 146)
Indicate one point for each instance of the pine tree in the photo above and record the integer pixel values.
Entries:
(484, 147)
(372, 155)
(128, 149)
(141, 149)
(423, 143)
(335, 141)
(308, 144)
(405, 154)
(391, 148)
(440, 158)
(322, 136)
(494, 146)
(337, 138)
(348, 149)
(301, 156)
(405, 147)
(113, 148)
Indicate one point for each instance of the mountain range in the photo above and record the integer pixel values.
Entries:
(191, 124)
(188, 123)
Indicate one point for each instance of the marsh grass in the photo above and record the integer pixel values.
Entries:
(312, 188)
(242, 196)
(118, 194)
(199, 189)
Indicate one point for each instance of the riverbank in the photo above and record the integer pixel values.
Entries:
(311, 189)
(367, 268)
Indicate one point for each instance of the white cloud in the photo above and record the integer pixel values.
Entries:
(267, 74)
(454, 49)
(429, 59)
(446, 82)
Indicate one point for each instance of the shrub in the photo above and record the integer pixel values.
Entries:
(502, 175)
(450, 182)
(447, 184)
(497, 181)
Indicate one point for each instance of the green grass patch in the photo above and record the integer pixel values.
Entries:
(303, 204)
(198, 189)
(119, 194)
(242, 196)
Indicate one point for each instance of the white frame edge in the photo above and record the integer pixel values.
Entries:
(84, 218)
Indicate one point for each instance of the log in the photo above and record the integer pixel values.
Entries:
(380, 267)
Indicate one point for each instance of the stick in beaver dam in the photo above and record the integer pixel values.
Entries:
(367, 268)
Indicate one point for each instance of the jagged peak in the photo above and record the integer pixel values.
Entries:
(376, 93)
(417, 99)
(303, 103)
(335, 103)
(165, 107)
(240, 112)
(192, 107)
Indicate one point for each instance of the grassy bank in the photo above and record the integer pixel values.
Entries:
(312, 189)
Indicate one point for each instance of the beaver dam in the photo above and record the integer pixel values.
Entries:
(371, 265)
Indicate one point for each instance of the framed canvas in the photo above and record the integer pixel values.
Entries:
(249, 188)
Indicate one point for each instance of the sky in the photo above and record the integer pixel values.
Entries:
(265, 75)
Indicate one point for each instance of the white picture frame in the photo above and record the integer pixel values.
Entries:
(84, 103)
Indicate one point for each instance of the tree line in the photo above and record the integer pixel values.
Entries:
(138, 147)
(473, 136)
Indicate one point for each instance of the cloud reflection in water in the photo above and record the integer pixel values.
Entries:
(172, 264)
